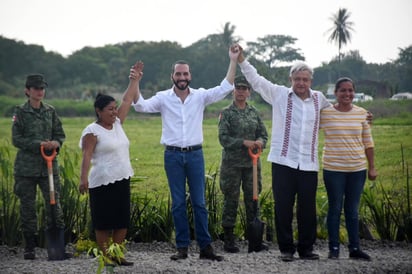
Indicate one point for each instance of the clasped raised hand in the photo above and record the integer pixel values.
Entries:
(234, 52)
(136, 71)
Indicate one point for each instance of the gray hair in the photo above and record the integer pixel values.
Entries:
(301, 66)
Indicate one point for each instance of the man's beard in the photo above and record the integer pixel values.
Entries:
(184, 87)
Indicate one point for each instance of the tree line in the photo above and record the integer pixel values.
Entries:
(105, 69)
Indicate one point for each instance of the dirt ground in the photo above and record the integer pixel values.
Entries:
(387, 257)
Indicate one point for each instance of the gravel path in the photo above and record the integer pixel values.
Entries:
(387, 257)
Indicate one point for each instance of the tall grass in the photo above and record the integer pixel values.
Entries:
(151, 219)
(151, 216)
(9, 213)
(214, 201)
(388, 208)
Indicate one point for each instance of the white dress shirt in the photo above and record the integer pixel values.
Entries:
(182, 122)
(295, 122)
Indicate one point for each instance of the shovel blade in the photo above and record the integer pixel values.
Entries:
(255, 235)
(55, 243)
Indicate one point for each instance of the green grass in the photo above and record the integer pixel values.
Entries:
(146, 152)
(384, 206)
(393, 155)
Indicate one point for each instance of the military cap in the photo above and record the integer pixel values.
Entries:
(36, 80)
(240, 81)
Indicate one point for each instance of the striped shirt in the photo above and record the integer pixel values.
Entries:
(347, 135)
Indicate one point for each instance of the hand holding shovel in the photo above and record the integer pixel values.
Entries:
(54, 235)
(255, 156)
(256, 227)
(49, 160)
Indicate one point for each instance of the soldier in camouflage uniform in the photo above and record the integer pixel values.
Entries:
(240, 127)
(34, 124)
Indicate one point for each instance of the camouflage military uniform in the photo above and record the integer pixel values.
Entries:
(30, 128)
(236, 125)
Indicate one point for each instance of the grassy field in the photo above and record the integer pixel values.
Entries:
(146, 153)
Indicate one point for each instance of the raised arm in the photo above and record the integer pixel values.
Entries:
(132, 92)
(241, 56)
(233, 55)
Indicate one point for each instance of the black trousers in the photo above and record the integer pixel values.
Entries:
(287, 184)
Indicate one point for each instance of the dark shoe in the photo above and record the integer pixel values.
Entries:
(180, 254)
(123, 262)
(30, 244)
(29, 255)
(286, 256)
(231, 248)
(358, 254)
(68, 255)
(309, 256)
(229, 245)
(208, 254)
(334, 253)
(109, 262)
(262, 247)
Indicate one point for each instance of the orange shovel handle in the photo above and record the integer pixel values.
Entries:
(255, 157)
(49, 160)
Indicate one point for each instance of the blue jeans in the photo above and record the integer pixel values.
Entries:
(181, 167)
(344, 188)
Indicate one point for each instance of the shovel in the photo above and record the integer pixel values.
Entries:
(54, 235)
(256, 227)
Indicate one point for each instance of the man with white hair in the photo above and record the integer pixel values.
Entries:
(293, 153)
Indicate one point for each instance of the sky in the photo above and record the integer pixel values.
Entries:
(381, 27)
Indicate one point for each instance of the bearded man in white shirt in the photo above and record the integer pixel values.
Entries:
(182, 108)
(293, 153)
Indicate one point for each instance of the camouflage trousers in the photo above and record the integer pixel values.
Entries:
(231, 180)
(26, 190)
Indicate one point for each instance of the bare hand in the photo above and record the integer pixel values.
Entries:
(50, 145)
(136, 71)
(83, 187)
(234, 52)
(238, 49)
(369, 117)
(258, 144)
(372, 174)
(249, 143)
(253, 144)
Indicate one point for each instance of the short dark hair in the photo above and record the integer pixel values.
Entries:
(179, 62)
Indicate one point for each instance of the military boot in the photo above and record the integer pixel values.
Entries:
(30, 244)
(229, 245)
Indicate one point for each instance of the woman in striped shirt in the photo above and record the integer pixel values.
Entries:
(348, 156)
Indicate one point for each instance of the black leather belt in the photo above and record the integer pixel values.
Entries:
(184, 149)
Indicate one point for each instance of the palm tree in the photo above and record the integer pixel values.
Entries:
(227, 34)
(340, 33)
